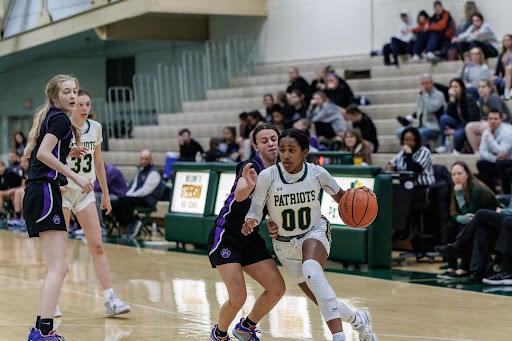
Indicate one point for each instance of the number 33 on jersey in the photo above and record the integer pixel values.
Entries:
(91, 137)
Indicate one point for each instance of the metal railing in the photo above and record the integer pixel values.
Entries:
(121, 111)
(170, 87)
(195, 75)
(146, 99)
(241, 54)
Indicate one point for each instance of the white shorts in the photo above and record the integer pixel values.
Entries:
(76, 201)
(290, 253)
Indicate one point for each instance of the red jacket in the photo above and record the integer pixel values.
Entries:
(443, 25)
(420, 28)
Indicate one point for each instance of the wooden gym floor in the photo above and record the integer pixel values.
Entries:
(177, 296)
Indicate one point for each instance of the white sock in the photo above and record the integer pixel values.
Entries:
(108, 293)
(339, 337)
(347, 314)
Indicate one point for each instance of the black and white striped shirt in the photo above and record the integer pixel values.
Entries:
(420, 163)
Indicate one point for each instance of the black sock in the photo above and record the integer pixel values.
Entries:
(46, 326)
(17, 215)
(247, 323)
(219, 333)
(38, 321)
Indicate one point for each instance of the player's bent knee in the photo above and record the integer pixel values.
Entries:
(238, 299)
(97, 249)
(324, 294)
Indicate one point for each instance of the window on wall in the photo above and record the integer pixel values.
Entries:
(120, 72)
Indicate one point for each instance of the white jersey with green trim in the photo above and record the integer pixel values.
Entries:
(90, 138)
(292, 200)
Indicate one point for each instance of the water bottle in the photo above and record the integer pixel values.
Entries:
(154, 229)
(447, 145)
(362, 100)
(199, 158)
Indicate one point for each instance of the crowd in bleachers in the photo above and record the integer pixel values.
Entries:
(468, 115)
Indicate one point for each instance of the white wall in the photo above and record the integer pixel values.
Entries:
(308, 29)
(305, 29)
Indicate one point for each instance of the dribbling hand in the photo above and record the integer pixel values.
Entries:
(272, 229)
(249, 226)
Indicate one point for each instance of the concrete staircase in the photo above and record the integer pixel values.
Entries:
(392, 92)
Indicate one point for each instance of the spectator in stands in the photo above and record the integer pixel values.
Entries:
(296, 81)
(188, 146)
(318, 84)
(470, 8)
(478, 34)
(474, 71)
(20, 142)
(461, 110)
(488, 100)
(244, 128)
(255, 119)
(17, 195)
(495, 152)
(296, 108)
(353, 142)
(503, 74)
(402, 42)
(141, 193)
(365, 124)
(214, 154)
(503, 247)
(305, 125)
(14, 162)
(431, 105)
(415, 158)
(116, 187)
(326, 116)
(282, 99)
(468, 196)
(438, 31)
(268, 102)
(278, 118)
(228, 144)
(337, 91)
(8, 181)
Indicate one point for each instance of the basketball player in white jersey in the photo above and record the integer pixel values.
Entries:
(290, 190)
(83, 205)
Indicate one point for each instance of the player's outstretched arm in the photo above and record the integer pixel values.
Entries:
(246, 183)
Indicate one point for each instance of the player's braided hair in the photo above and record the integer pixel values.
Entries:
(300, 136)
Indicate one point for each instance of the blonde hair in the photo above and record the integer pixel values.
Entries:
(52, 90)
(489, 84)
(470, 8)
(482, 56)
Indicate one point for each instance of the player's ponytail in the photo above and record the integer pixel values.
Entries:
(298, 135)
(52, 90)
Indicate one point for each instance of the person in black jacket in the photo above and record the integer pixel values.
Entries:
(318, 84)
(461, 110)
(338, 91)
(188, 146)
(296, 109)
(503, 74)
(365, 124)
(296, 81)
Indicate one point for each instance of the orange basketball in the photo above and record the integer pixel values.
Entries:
(358, 208)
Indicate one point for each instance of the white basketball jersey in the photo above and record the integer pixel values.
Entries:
(91, 137)
(293, 199)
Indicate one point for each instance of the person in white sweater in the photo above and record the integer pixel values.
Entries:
(479, 34)
(402, 41)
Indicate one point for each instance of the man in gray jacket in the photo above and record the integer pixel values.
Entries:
(431, 105)
(495, 152)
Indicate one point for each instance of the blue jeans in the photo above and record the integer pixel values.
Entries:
(429, 41)
(459, 136)
(426, 134)
(473, 92)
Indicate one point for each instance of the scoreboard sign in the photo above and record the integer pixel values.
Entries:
(189, 194)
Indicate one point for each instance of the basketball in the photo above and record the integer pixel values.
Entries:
(358, 208)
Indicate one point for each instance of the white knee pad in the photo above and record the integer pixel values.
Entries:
(325, 296)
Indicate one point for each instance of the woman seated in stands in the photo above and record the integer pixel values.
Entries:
(326, 116)
(461, 109)
(402, 42)
(474, 71)
(228, 144)
(353, 142)
(488, 100)
(337, 91)
(468, 196)
(503, 74)
(478, 34)
(416, 158)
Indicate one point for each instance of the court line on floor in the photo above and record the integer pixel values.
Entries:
(424, 337)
